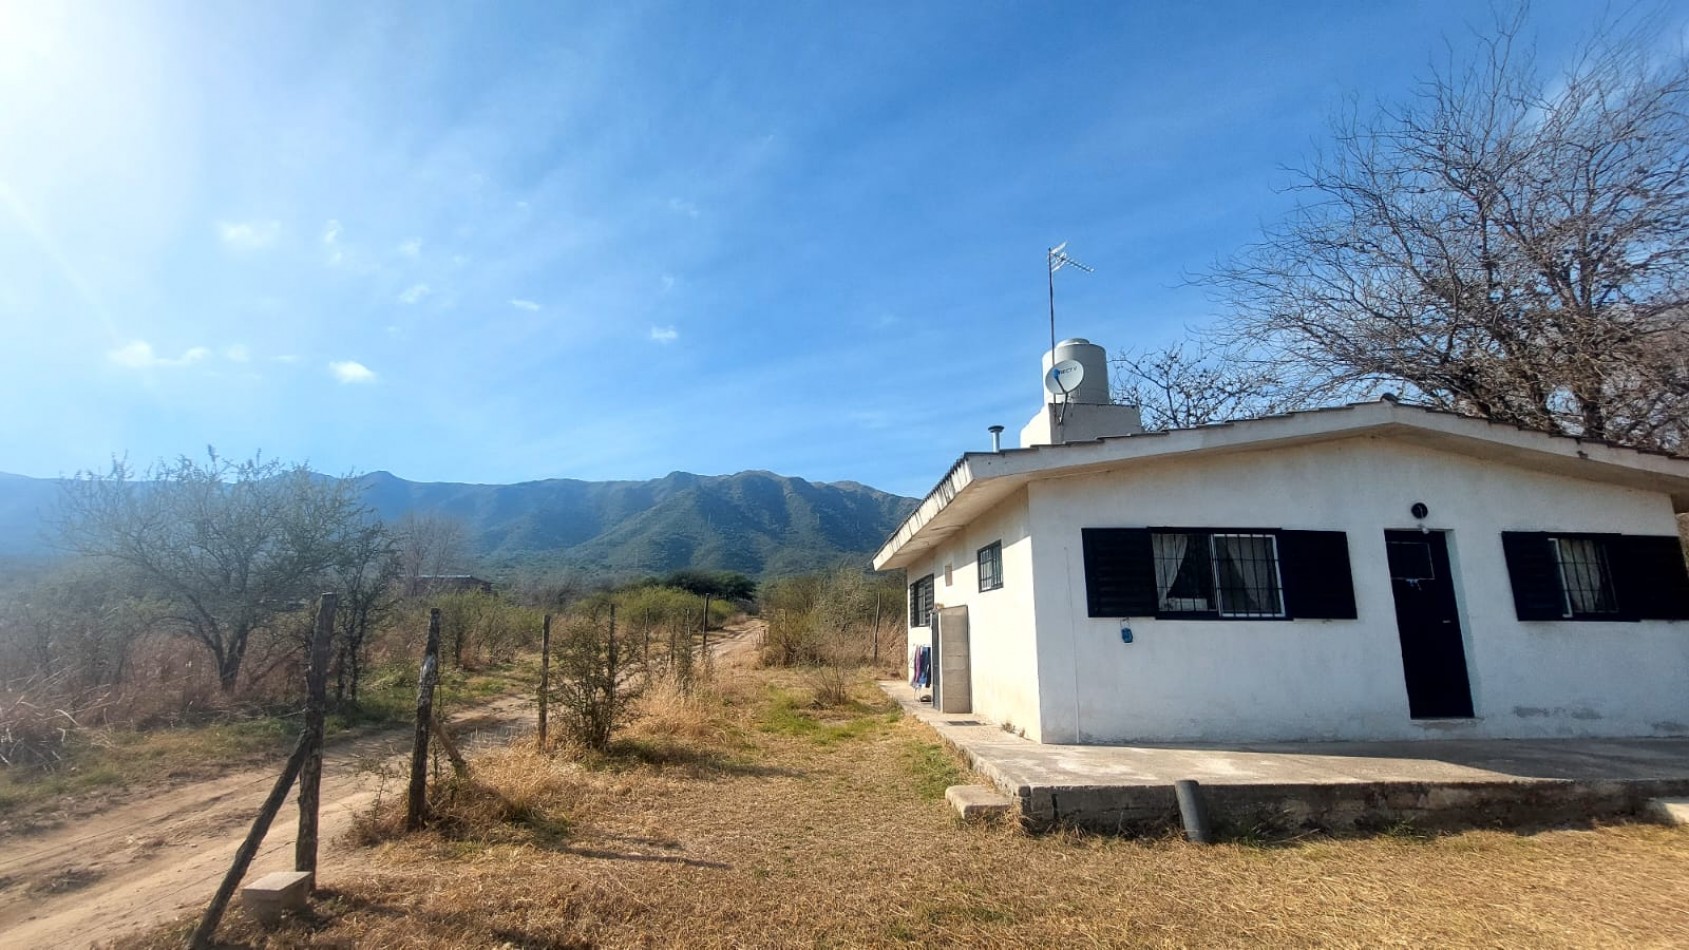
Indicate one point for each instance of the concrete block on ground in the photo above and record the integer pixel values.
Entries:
(976, 802)
(1670, 811)
(267, 898)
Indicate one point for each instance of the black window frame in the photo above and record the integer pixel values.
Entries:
(994, 579)
(1208, 574)
(921, 600)
(1645, 576)
(1576, 579)
(1311, 570)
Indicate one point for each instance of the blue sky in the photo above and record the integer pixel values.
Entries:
(498, 242)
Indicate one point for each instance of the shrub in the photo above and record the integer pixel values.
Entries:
(591, 683)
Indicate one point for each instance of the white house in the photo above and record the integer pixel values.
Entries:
(1374, 571)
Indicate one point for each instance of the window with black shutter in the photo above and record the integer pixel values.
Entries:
(1318, 583)
(1582, 576)
(920, 602)
(1209, 573)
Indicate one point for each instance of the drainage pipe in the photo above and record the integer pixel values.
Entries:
(1192, 811)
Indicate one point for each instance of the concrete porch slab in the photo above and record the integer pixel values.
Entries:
(1318, 785)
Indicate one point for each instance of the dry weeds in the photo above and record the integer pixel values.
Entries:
(837, 836)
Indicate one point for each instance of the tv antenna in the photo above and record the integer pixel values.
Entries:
(1058, 259)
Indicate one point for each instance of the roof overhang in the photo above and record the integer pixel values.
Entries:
(980, 480)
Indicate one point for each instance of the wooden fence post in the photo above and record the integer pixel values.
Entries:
(706, 650)
(311, 770)
(202, 934)
(545, 675)
(416, 806)
(876, 634)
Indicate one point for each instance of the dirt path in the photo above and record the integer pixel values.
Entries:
(736, 644)
(158, 858)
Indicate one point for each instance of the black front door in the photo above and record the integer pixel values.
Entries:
(1433, 657)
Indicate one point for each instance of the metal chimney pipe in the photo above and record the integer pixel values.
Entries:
(996, 438)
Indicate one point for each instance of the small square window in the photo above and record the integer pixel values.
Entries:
(991, 566)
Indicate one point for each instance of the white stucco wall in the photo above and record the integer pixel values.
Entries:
(1000, 627)
(1218, 680)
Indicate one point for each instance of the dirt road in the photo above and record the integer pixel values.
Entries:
(737, 643)
(152, 860)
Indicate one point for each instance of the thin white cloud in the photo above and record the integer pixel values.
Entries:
(527, 305)
(139, 355)
(286, 358)
(331, 240)
(668, 282)
(237, 353)
(351, 371)
(248, 235)
(682, 206)
(415, 293)
(665, 334)
(411, 248)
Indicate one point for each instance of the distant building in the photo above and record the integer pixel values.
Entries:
(1374, 571)
(447, 584)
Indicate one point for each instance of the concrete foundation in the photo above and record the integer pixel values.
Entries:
(1327, 786)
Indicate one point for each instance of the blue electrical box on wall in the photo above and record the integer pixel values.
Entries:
(1125, 634)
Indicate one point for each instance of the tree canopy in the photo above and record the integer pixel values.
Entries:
(222, 548)
(1508, 243)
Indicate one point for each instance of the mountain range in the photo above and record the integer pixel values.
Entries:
(758, 523)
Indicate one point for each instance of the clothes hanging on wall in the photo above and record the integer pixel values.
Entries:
(923, 668)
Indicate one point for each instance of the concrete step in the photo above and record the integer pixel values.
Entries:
(1670, 811)
(976, 802)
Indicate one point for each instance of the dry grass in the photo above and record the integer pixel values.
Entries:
(834, 834)
(511, 795)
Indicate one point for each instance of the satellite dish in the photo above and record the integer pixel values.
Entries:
(1064, 377)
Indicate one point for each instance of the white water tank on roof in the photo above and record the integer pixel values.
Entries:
(1092, 387)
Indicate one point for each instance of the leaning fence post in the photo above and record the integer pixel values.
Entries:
(416, 808)
(311, 770)
(249, 848)
(545, 675)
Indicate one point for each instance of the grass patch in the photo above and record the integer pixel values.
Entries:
(102, 760)
(932, 768)
(106, 759)
(791, 714)
(511, 796)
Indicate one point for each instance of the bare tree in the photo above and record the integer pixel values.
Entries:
(1504, 245)
(79, 623)
(223, 548)
(1194, 383)
(430, 546)
(366, 577)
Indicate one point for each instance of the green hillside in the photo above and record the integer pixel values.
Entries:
(758, 523)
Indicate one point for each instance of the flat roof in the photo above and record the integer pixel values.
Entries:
(979, 480)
